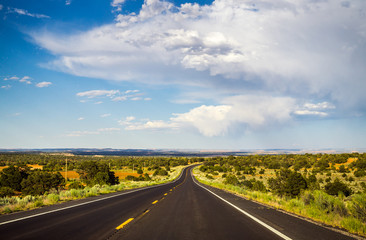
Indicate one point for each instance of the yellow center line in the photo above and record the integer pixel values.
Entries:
(155, 202)
(165, 194)
(124, 224)
(145, 212)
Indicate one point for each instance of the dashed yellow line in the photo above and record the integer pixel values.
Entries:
(165, 194)
(124, 224)
(145, 212)
(155, 202)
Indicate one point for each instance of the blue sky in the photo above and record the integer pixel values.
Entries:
(183, 74)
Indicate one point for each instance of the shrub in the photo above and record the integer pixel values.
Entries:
(307, 197)
(209, 176)
(76, 185)
(360, 173)
(231, 179)
(6, 192)
(337, 186)
(358, 206)
(53, 198)
(287, 183)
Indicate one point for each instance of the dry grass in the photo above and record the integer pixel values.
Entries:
(35, 166)
(349, 161)
(70, 174)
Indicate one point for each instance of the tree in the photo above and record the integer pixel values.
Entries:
(12, 177)
(287, 183)
(93, 173)
(38, 182)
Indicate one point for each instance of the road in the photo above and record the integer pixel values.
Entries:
(183, 209)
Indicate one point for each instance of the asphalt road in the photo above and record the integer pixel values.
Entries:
(183, 209)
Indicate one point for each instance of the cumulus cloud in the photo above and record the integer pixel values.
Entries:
(278, 60)
(293, 48)
(238, 113)
(43, 84)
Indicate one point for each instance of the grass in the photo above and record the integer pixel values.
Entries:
(337, 211)
(18, 203)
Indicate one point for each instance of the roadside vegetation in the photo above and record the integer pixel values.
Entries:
(327, 188)
(29, 181)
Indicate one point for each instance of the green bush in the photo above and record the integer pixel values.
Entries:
(76, 185)
(333, 188)
(231, 179)
(6, 192)
(287, 183)
(53, 198)
(358, 206)
(360, 173)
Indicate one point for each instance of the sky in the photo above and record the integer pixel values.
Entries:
(178, 74)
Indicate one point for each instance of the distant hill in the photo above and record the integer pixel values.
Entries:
(173, 152)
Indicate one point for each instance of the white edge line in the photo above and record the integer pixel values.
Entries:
(96, 200)
(245, 213)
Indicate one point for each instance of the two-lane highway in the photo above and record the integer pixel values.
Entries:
(183, 209)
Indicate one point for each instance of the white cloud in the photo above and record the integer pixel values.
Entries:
(118, 4)
(121, 98)
(307, 48)
(236, 114)
(105, 115)
(132, 91)
(109, 129)
(68, 2)
(97, 132)
(12, 78)
(308, 55)
(319, 106)
(98, 93)
(26, 79)
(114, 95)
(80, 118)
(6, 86)
(311, 113)
(43, 84)
(26, 13)
(1, 7)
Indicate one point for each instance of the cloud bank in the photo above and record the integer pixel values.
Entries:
(273, 60)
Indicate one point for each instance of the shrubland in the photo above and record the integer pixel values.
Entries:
(327, 188)
(29, 181)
